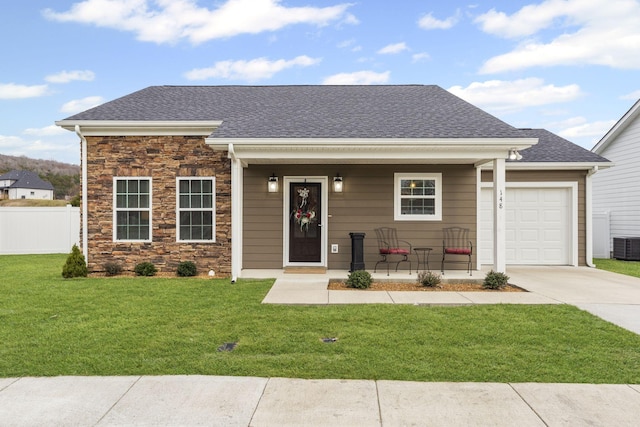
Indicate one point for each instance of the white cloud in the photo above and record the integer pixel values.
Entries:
(393, 49)
(168, 21)
(14, 91)
(633, 96)
(578, 128)
(61, 147)
(419, 57)
(499, 96)
(351, 44)
(595, 32)
(428, 22)
(253, 70)
(69, 76)
(78, 105)
(46, 131)
(357, 78)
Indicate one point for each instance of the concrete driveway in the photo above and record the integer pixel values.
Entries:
(611, 296)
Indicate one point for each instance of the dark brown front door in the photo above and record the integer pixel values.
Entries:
(305, 228)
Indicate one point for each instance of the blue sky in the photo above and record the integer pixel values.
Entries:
(570, 66)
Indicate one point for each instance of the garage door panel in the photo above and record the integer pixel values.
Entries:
(529, 215)
(529, 236)
(538, 226)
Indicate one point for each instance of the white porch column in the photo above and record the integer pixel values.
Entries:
(499, 216)
(236, 214)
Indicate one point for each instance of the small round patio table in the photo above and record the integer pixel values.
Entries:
(423, 257)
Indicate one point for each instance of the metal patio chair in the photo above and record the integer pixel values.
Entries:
(389, 246)
(456, 244)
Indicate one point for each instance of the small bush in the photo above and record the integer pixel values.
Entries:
(429, 279)
(112, 268)
(75, 266)
(145, 269)
(359, 279)
(187, 269)
(495, 280)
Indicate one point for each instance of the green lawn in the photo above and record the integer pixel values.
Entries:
(153, 326)
(630, 268)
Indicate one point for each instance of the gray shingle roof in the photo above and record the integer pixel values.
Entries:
(553, 148)
(26, 179)
(377, 111)
(407, 111)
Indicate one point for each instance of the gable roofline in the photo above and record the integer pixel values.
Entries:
(617, 129)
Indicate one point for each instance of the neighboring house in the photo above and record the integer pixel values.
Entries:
(242, 177)
(24, 185)
(616, 193)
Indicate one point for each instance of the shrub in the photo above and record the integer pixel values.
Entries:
(429, 279)
(75, 266)
(145, 269)
(359, 279)
(495, 280)
(187, 269)
(112, 268)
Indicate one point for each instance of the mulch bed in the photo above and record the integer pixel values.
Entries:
(413, 286)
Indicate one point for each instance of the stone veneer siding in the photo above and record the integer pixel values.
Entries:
(163, 158)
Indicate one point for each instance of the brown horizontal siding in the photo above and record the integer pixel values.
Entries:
(365, 204)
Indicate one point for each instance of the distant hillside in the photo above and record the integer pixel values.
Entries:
(9, 163)
(64, 177)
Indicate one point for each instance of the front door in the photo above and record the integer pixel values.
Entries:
(305, 222)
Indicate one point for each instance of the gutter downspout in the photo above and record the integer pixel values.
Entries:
(85, 221)
(588, 216)
(236, 214)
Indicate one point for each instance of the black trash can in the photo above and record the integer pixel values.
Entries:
(357, 251)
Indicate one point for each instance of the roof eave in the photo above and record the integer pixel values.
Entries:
(369, 150)
(141, 127)
(522, 165)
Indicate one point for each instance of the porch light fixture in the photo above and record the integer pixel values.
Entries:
(337, 184)
(514, 155)
(272, 184)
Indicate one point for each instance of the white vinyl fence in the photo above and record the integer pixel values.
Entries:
(601, 235)
(36, 230)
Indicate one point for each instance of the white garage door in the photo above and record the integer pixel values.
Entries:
(538, 228)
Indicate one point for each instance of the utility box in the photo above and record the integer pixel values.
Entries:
(357, 251)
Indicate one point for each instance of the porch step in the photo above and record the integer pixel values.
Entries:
(305, 270)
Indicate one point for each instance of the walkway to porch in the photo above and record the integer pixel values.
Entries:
(312, 289)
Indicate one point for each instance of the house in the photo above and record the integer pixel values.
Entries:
(616, 195)
(24, 185)
(268, 177)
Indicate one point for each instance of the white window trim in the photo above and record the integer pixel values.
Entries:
(116, 210)
(213, 208)
(398, 177)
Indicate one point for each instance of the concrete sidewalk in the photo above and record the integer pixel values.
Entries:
(251, 401)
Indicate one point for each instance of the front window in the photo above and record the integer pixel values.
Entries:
(132, 209)
(196, 209)
(418, 197)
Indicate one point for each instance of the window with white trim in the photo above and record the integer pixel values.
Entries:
(132, 209)
(196, 209)
(418, 196)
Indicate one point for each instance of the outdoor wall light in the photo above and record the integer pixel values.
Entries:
(272, 184)
(337, 184)
(514, 155)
